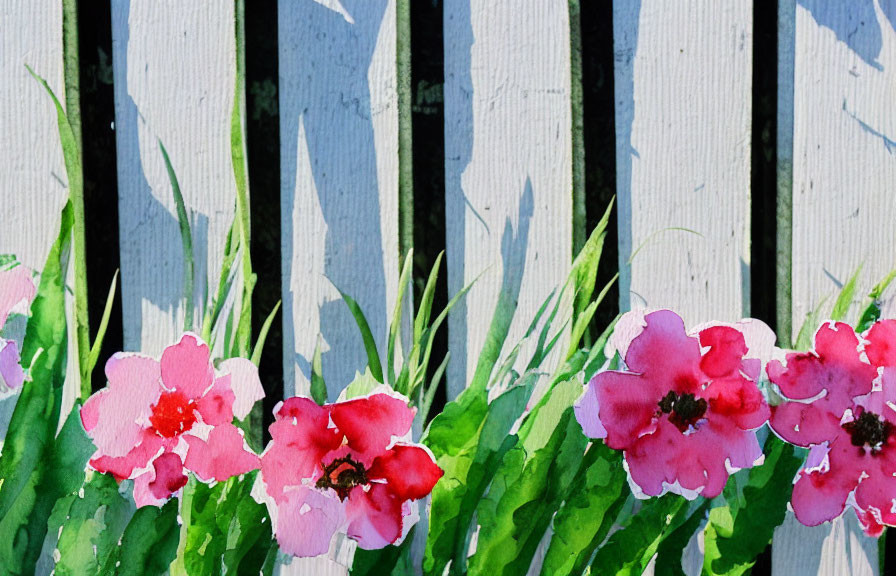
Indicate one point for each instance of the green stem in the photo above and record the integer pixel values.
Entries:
(578, 128)
(76, 189)
(405, 132)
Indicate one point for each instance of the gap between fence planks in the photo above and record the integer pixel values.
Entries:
(840, 59)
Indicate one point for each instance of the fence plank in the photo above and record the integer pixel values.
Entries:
(34, 184)
(339, 188)
(843, 207)
(683, 113)
(174, 67)
(508, 163)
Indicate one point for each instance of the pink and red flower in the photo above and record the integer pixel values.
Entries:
(157, 417)
(840, 408)
(17, 290)
(685, 408)
(341, 467)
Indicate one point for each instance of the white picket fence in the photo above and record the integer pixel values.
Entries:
(683, 93)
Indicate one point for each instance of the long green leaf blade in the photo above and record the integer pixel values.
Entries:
(186, 237)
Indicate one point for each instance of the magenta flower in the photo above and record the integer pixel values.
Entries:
(840, 408)
(17, 290)
(343, 466)
(156, 418)
(685, 409)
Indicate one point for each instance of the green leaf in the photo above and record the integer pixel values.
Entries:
(628, 551)
(263, 334)
(469, 439)
(844, 300)
(670, 551)
(29, 483)
(421, 321)
(872, 311)
(104, 324)
(395, 324)
(530, 484)
(373, 356)
(94, 521)
(226, 529)
(595, 497)
(362, 385)
(391, 560)
(740, 531)
(584, 267)
(149, 543)
(810, 325)
(186, 237)
(318, 386)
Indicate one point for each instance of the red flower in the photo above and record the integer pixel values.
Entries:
(684, 409)
(839, 408)
(339, 467)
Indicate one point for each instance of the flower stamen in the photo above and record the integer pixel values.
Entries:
(684, 410)
(869, 429)
(343, 474)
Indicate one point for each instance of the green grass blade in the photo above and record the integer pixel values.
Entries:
(186, 236)
(841, 306)
(373, 356)
(872, 311)
(70, 139)
(807, 330)
(225, 283)
(433, 387)
(584, 319)
(263, 334)
(423, 313)
(395, 324)
(104, 324)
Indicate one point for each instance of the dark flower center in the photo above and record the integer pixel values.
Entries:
(684, 410)
(173, 414)
(343, 474)
(870, 429)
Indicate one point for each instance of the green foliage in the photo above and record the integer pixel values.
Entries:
(841, 305)
(670, 551)
(391, 560)
(104, 324)
(186, 236)
(755, 504)
(318, 386)
(594, 499)
(373, 356)
(148, 545)
(871, 313)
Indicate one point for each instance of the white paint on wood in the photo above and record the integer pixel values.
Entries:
(844, 166)
(508, 164)
(339, 189)
(683, 114)
(174, 66)
(339, 193)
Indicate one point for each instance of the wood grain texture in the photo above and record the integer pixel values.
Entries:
(683, 114)
(339, 194)
(844, 166)
(174, 67)
(508, 164)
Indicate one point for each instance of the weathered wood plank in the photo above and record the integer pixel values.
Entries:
(683, 114)
(174, 66)
(339, 191)
(683, 82)
(508, 164)
(843, 169)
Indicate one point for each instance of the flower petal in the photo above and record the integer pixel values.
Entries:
(116, 416)
(587, 411)
(186, 366)
(374, 516)
(300, 437)
(410, 472)
(628, 404)
(138, 457)
(16, 288)
(370, 423)
(805, 424)
(727, 348)
(245, 383)
(881, 346)
(216, 406)
(10, 371)
(155, 486)
(738, 400)
(665, 355)
(222, 457)
(307, 520)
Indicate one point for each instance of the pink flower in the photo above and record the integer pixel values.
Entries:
(339, 467)
(156, 418)
(17, 290)
(684, 409)
(841, 410)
